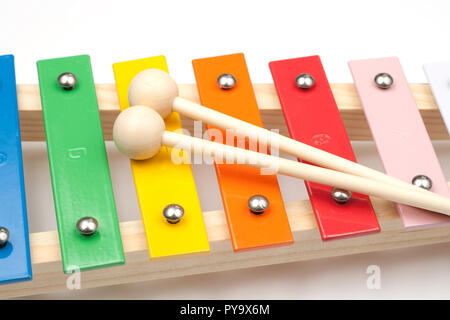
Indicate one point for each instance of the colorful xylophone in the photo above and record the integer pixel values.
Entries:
(256, 227)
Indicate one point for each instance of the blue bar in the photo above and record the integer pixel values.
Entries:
(15, 262)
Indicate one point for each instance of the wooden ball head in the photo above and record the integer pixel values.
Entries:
(138, 131)
(153, 88)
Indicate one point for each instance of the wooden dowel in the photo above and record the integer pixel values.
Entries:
(230, 154)
(285, 144)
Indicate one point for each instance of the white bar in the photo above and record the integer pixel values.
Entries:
(438, 74)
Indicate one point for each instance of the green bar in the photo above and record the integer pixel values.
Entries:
(78, 166)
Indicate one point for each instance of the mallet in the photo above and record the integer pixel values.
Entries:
(156, 89)
(139, 132)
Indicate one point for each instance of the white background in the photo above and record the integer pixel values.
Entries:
(113, 31)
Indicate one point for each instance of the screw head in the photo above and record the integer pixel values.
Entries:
(87, 226)
(422, 181)
(4, 237)
(67, 80)
(226, 81)
(384, 80)
(173, 213)
(258, 204)
(304, 81)
(341, 196)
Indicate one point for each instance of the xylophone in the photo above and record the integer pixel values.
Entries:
(257, 227)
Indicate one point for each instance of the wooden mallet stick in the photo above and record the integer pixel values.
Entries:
(156, 89)
(139, 132)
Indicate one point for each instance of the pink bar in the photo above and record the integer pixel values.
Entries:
(400, 134)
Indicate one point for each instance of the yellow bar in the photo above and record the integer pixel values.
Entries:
(160, 182)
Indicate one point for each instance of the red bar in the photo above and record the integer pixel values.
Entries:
(312, 117)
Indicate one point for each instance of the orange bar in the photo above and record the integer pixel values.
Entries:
(240, 182)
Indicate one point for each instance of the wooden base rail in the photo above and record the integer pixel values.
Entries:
(47, 268)
(32, 127)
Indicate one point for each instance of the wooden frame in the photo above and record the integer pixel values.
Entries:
(45, 252)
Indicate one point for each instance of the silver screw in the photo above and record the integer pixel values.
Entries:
(384, 80)
(258, 204)
(226, 81)
(87, 226)
(422, 181)
(4, 237)
(173, 213)
(304, 81)
(341, 196)
(67, 80)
